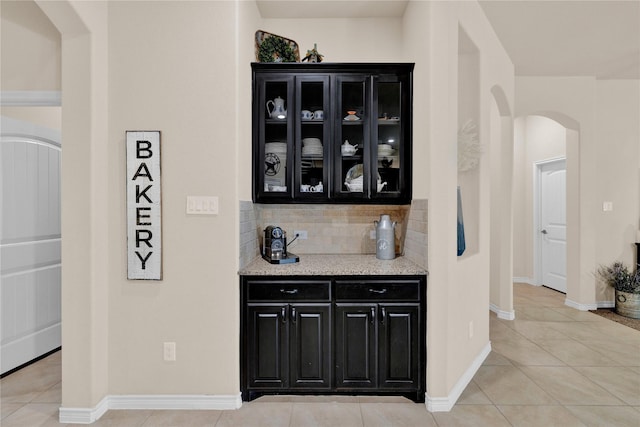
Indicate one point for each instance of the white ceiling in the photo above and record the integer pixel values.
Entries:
(543, 37)
(569, 38)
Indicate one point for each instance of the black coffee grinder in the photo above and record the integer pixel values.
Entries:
(275, 246)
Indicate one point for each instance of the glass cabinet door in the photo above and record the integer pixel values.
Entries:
(352, 118)
(387, 152)
(312, 137)
(275, 136)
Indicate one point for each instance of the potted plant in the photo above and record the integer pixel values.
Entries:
(627, 288)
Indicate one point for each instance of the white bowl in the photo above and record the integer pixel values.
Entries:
(311, 141)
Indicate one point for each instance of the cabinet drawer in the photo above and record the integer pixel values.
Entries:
(294, 290)
(397, 290)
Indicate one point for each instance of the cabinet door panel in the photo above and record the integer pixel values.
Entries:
(356, 345)
(266, 341)
(398, 346)
(273, 135)
(311, 346)
(352, 118)
(312, 138)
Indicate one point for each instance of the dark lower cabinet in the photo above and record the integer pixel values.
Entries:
(349, 336)
(290, 346)
(356, 345)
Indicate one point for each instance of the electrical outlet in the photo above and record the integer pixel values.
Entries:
(169, 352)
(302, 234)
(471, 329)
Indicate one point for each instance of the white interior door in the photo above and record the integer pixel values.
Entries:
(30, 240)
(552, 230)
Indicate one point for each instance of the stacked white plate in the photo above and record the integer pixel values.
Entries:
(311, 147)
(275, 154)
(385, 150)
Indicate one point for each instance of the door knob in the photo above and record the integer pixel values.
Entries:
(544, 231)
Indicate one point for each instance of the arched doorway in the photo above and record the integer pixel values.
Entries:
(539, 138)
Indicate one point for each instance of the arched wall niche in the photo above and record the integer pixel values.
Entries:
(468, 119)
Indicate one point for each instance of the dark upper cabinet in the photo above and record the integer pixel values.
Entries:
(332, 133)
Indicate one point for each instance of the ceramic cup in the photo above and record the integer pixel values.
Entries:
(306, 115)
(305, 188)
(318, 114)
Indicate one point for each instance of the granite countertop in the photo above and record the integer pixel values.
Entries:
(334, 265)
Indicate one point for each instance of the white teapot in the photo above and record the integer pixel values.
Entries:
(277, 110)
(348, 149)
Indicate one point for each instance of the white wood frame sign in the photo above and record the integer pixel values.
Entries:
(144, 213)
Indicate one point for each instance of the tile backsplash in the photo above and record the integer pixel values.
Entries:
(334, 229)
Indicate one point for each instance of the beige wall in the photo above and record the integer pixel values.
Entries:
(30, 46)
(49, 117)
(183, 68)
(458, 290)
(602, 165)
(173, 67)
(618, 174)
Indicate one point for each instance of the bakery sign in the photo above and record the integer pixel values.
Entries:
(144, 214)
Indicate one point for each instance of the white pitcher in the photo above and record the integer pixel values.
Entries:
(277, 110)
(385, 238)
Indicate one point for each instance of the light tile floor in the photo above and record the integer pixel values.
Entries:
(552, 366)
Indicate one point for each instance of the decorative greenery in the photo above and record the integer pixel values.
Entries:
(618, 276)
(276, 49)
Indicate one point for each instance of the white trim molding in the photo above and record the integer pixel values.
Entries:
(502, 314)
(83, 415)
(606, 304)
(149, 402)
(579, 306)
(30, 98)
(445, 404)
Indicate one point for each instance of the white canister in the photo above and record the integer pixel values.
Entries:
(385, 238)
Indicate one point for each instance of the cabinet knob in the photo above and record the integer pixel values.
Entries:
(283, 314)
(373, 314)
(293, 314)
(378, 291)
(289, 291)
(383, 314)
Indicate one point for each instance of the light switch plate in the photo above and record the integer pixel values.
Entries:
(202, 205)
(607, 206)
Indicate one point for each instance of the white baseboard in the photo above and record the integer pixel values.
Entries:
(527, 280)
(83, 415)
(149, 402)
(579, 306)
(444, 404)
(502, 314)
(606, 304)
